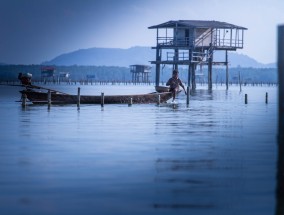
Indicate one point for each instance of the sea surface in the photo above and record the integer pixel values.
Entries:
(215, 156)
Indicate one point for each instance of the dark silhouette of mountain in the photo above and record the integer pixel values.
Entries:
(105, 57)
(138, 55)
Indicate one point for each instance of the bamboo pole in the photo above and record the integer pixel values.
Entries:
(130, 102)
(102, 99)
(24, 100)
(227, 69)
(187, 95)
(78, 98)
(49, 97)
(159, 99)
(240, 83)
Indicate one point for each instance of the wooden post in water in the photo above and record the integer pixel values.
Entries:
(130, 102)
(188, 83)
(102, 99)
(227, 71)
(246, 98)
(240, 83)
(210, 72)
(280, 164)
(159, 99)
(24, 100)
(266, 98)
(78, 98)
(193, 85)
(49, 98)
(158, 58)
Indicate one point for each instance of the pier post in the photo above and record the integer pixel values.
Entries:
(240, 83)
(210, 64)
(280, 164)
(78, 98)
(193, 67)
(266, 98)
(24, 100)
(187, 95)
(227, 71)
(49, 98)
(188, 82)
(246, 98)
(130, 102)
(158, 59)
(158, 99)
(102, 99)
(176, 58)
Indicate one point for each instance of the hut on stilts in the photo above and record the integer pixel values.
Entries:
(192, 43)
(140, 73)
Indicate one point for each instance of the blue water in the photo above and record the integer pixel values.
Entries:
(215, 156)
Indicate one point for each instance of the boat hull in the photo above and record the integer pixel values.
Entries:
(162, 89)
(58, 98)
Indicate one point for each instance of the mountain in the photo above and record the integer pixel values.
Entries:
(138, 55)
(105, 57)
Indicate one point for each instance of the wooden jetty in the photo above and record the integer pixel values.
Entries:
(192, 43)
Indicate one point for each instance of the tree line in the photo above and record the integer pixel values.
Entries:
(123, 74)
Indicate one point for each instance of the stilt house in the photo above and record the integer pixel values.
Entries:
(192, 43)
(140, 73)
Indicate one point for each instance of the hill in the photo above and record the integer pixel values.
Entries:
(137, 55)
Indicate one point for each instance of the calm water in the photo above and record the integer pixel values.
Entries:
(217, 156)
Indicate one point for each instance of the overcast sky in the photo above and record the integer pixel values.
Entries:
(33, 31)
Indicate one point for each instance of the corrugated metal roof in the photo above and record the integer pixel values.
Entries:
(196, 24)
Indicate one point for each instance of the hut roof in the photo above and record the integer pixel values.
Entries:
(196, 24)
(141, 65)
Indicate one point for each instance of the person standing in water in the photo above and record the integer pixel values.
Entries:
(174, 82)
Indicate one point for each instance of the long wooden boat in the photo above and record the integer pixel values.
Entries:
(37, 97)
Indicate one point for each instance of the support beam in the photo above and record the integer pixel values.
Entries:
(158, 66)
(227, 71)
(210, 63)
(188, 85)
(193, 67)
(176, 57)
(189, 77)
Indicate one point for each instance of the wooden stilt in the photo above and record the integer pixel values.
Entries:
(102, 99)
(78, 98)
(193, 76)
(187, 95)
(158, 58)
(49, 99)
(210, 62)
(227, 71)
(130, 102)
(240, 82)
(24, 100)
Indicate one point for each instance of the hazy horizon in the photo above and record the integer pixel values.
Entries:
(37, 31)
